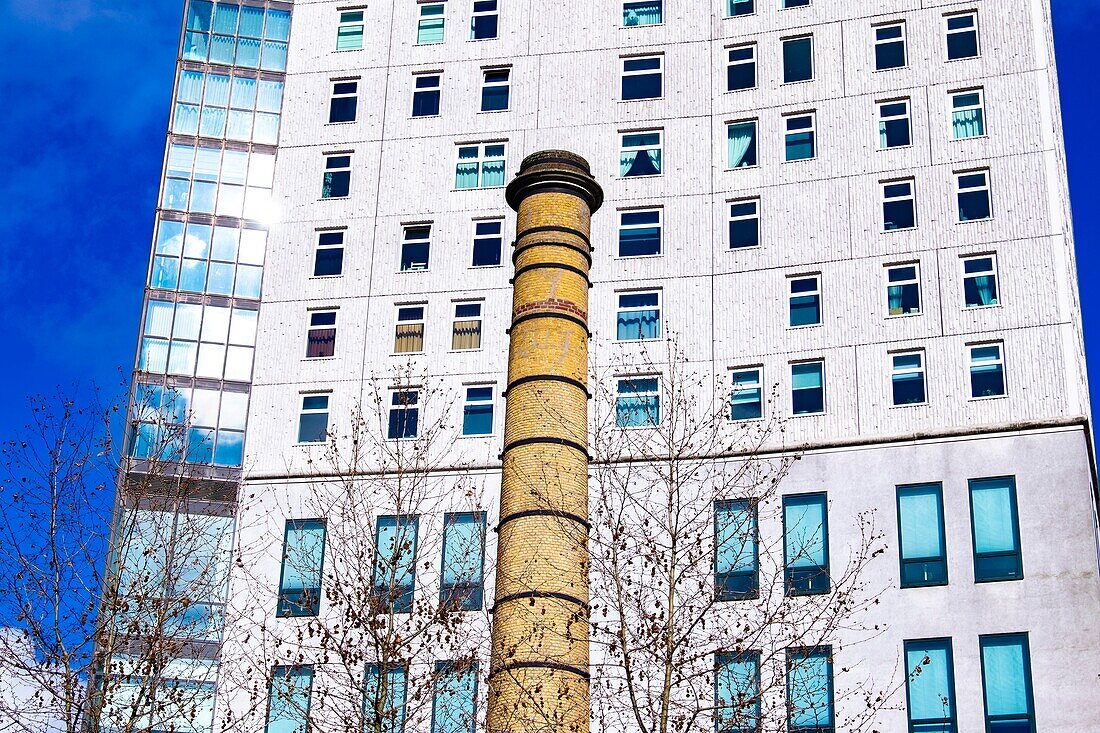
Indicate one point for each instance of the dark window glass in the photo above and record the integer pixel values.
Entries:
(799, 140)
(329, 259)
(798, 62)
(805, 301)
(740, 7)
(744, 225)
(321, 339)
(404, 415)
(415, 249)
(337, 179)
(344, 102)
(903, 290)
(796, 3)
(808, 388)
(313, 420)
(484, 23)
(639, 233)
(898, 210)
(494, 91)
(741, 71)
(426, 96)
(889, 47)
(642, 78)
(987, 375)
(962, 36)
(894, 125)
(487, 243)
(974, 197)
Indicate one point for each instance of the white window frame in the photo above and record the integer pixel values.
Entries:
(659, 71)
(481, 159)
(948, 33)
(423, 321)
(474, 14)
(754, 61)
(361, 22)
(994, 270)
(660, 133)
(344, 95)
(655, 393)
(896, 371)
(415, 390)
(959, 175)
(318, 247)
(791, 295)
(970, 363)
(303, 410)
(619, 309)
(640, 25)
(915, 280)
(641, 210)
(784, 6)
(980, 106)
(310, 313)
(405, 229)
(731, 217)
(883, 119)
(904, 43)
(480, 322)
(883, 199)
(466, 387)
(326, 169)
(812, 129)
(485, 84)
(758, 385)
(824, 387)
(438, 88)
(729, 8)
(420, 17)
(474, 237)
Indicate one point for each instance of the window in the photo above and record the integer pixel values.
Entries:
(349, 33)
(1006, 680)
(384, 699)
(973, 195)
(487, 243)
(321, 334)
(968, 114)
(744, 223)
(930, 686)
(464, 558)
(198, 258)
(480, 166)
(233, 44)
(466, 330)
(799, 142)
(194, 425)
(345, 99)
(893, 124)
(638, 403)
(741, 68)
(303, 561)
(210, 180)
(337, 179)
(890, 46)
(217, 105)
(808, 387)
(987, 371)
(640, 154)
(395, 562)
(639, 233)
(454, 698)
(494, 90)
(907, 378)
(737, 692)
(477, 412)
(962, 36)
(736, 555)
(410, 330)
(810, 690)
(643, 12)
(329, 258)
(795, 4)
(805, 544)
(313, 419)
(639, 316)
(288, 699)
(416, 246)
(996, 523)
(484, 21)
(641, 77)
(741, 139)
(805, 301)
(426, 95)
(740, 7)
(898, 206)
(188, 339)
(903, 289)
(980, 281)
(921, 542)
(404, 414)
(798, 59)
(747, 399)
(430, 28)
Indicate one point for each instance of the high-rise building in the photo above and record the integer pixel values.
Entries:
(853, 220)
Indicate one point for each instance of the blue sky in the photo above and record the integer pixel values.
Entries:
(85, 89)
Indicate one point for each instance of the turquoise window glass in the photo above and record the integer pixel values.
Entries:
(303, 563)
(930, 686)
(454, 699)
(288, 699)
(810, 690)
(463, 560)
(395, 562)
(737, 692)
(996, 530)
(1006, 680)
(736, 552)
(922, 544)
(806, 544)
(384, 699)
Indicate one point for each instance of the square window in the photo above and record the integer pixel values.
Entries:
(1006, 680)
(798, 59)
(642, 77)
(321, 334)
(313, 419)
(639, 316)
(484, 21)
(640, 154)
(898, 205)
(416, 247)
(336, 182)
(480, 166)
(488, 240)
(995, 520)
(494, 90)
(638, 403)
(643, 12)
(805, 301)
(747, 398)
(808, 388)
(345, 100)
(349, 32)
(477, 411)
(987, 371)
(893, 124)
(741, 68)
(973, 195)
(806, 544)
(799, 143)
(740, 7)
(903, 289)
(907, 378)
(741, 141)
(980, 281)
(890, 46)
(921, 540)
(404, 415)
(430, 27)
(426, 91)
(744, 223)
(736, 551)
(962, 36)
(639, 233)
(466, 330)
(328, 260)
(409, 338)
(968, 114)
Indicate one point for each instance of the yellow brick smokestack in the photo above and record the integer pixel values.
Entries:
(539, 670)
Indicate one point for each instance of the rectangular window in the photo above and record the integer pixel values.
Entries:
(480, 166)
(477, 412)
(220, 260)
(795, 4)
(349, 33)
(430, 27)
(1006, 680)
(416, 247)
(798, 59)
(487, 243)
(808, 387)
(188, 339)
(907, 378)
(463, 559)
(313, 419)
(639, 233)
(328, 260)
(454, 698)
(639, 316)
(930, 686)
(806, 544)
(466, 329)
(404, 419)
(805, 301)
(921, 540)
(980, 281)
(643, 12)
(968, 114)
(747, 399)
(321, 334)
(484, 21)
(890, 46)
(898, 206)
(394, 579)
(494, 90)
(987, 371)
(409, 338)
(288, 699)
(737, 692)
(638, 403)
(337, 179)
(640, 154)
(962, 36)
(303, 562)
(426, 93)
(345, 100)
(973, 195)
(799, 143)
(744, 223)
(642, 77)
(740, 7)
(903, 289)
(741, 68)
(741, 142)
(893, 124)
(736, 551)
(384, 699)
(810, 690)
(996, 522)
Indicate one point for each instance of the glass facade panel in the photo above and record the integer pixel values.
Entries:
(736, 554)
(395, 563)
(463, 560)
(303, 562)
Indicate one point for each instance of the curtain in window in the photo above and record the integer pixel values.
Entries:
(269, 96)
(986, 286)
(190, 87)
(239, 126)
(895, 294)
(930, 689)
(274, 58)
(466, 173)
(805, 534)
(248, 52)
(920, 524)
(639, 324)
(252, 21)
(994, 525)
(225, 18)
(1005, 669)
(640, 162)
(467, 335)
(321, 342)
(492, 173)
(637, 411)
(967, 123)
(642, 13)
(742, 145)
(410, 338)
(288, 699)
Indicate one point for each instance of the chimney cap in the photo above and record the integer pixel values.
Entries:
(559, 170)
